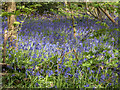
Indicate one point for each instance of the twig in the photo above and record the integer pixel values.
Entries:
(75, 54)
(94, 15)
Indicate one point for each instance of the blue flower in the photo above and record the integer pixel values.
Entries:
(85, 59)
(41, 70)
(35, 56)
(29, 53)
(31, 60)
(73, 63)
(79, 62)
(76, 75)
(99, 71)
(31, 48)
(39, 55)
(58, 60)
(59, 53)
(26, 73)
(68, 69)
(13, 75)
(56, 70)
(109, 84)
(88, 68)
(38, 74)
(66, 60)
(37, 84)
(50, 73)
(91, 56)
(32, 72)
(107, 75)
(23, 67)
(90, 77)
(42, 60)
(70, 75)
(103, 77)
(86, 85)
(92, 71)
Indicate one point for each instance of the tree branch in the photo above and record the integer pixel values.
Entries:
(108, 15)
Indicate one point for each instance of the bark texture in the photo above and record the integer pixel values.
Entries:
(11, 33)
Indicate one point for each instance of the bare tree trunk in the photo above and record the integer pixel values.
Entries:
(4, 46)
(10, 33)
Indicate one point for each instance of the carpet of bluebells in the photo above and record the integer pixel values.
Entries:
(50, 57)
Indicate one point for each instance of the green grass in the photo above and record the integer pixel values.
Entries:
(60, 81)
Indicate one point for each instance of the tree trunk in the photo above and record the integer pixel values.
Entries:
(10, 33)
(73, 25)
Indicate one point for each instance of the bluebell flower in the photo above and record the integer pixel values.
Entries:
(42, 60)
(13, 75)
(60, 66)
(9, 55)
(45, 57)
(31, 48)
(26, 73)
(23, 67)
(92, 71)
(39, 55)
(66, 60)
(118, 66)
(57, 71)
(32, 72)
(37, 47)
(99, 71)
(41, 76)
(50, 73)
(103, 77)
(58, 60)
(31, 60)
(90, 77)
(68, 69)
(59, 53)
(70, 75)
(41, 70)
(38, 74)
(91, 56)
(63, 58)
(76, 75)
(79, 63)
(109, 84)
(37, 84)
(46, 71)
(86, 85)
(88, 68)
(85, 59)
(73, 62)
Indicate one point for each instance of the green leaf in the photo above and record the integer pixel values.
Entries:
(17, 13)
(86, 64)
(4, 14)
(16, 23)
(98, 22)
(95, 5)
